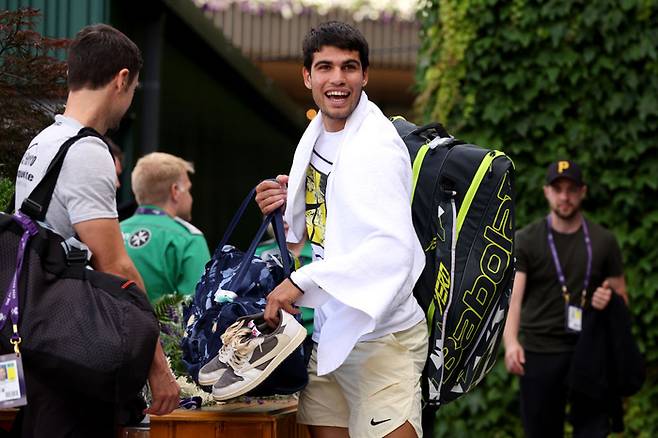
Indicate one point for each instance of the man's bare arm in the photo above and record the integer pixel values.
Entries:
(514, 353)
(103, 237)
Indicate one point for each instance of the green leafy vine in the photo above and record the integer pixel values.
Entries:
(552, 79)
(448, 43)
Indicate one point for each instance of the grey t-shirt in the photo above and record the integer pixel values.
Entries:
(85, 188)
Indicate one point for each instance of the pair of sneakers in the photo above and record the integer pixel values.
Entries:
(251, 351)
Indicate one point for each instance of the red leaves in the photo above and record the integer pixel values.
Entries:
(32, 83)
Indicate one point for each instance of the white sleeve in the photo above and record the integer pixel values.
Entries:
(316, 298)
(86, 183)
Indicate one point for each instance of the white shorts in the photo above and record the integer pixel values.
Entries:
(375, 391)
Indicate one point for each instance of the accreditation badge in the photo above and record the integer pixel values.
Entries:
(574, 318)
(12, 381)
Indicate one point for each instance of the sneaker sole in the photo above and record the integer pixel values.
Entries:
(294, 343)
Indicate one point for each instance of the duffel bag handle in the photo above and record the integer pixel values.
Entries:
(276, 218)
(249, 254)
(280, 237)
(236, 218)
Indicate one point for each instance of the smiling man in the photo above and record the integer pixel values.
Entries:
(349, 193)
(565, 266)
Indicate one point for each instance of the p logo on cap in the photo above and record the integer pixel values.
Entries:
(564, 169)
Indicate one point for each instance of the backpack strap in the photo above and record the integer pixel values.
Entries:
(36, 204)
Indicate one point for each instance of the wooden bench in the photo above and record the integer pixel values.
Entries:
(268, 419)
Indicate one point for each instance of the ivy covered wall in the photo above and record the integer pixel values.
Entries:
(552, 79)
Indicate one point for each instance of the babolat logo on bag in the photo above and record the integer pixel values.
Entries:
(463, 213)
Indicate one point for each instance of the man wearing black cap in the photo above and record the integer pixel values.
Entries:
(564, 264)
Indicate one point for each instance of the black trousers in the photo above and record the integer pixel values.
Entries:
(544, 397)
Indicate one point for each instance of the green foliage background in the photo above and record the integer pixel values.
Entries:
(6, 190)
(543, 80)
(32, 88)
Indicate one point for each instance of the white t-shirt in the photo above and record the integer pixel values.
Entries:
(85, 188)
(317, 175)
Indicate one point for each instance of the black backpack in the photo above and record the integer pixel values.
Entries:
(90, 332)
(463, 214)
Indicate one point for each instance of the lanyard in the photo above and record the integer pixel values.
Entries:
(151, 211)
(558, 266)
(9, 307)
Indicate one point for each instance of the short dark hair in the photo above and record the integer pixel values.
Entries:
(97, 54)
(335, 34)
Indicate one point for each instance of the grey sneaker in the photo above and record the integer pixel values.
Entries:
(256, 356)
(215, 368)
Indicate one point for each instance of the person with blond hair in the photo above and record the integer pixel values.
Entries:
(169, 252)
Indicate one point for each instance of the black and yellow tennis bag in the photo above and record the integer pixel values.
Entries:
(463, 213)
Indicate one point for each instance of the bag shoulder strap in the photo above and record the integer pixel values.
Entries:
(36, 204)
(276, 219)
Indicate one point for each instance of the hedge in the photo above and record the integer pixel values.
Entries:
(6, 190)
(543, 80)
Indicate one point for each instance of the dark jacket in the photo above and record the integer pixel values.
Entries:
(607, 363)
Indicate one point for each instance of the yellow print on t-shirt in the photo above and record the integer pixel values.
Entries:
(316, 207)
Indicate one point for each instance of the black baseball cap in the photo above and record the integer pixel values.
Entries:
(564, 169)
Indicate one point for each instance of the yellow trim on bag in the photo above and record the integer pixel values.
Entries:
(473, 188)
(415, 169)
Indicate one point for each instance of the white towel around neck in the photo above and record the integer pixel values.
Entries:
(372, 256)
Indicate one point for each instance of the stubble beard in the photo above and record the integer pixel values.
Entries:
(569, 216)
(341, 115)
(338, 117)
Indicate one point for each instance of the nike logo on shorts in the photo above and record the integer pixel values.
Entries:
(375, 423)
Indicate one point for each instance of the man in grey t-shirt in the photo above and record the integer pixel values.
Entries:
(103, 72)
(86, 185)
